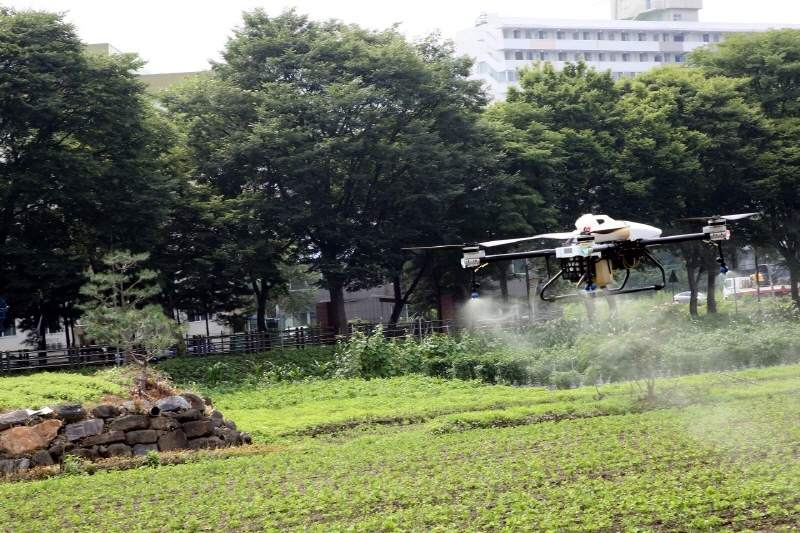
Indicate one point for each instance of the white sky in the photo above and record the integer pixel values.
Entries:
(182, 35)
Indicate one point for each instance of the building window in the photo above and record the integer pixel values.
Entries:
(706, 38)
(667, 57)
(543, 56)
(611, 36)
(512, 75)
(679, 58)
(677, 17)
(560, 35)
(529, 56)
(194, 316)
(576, 36)
(587, 56)
(642, 36)
(666, 37)
(509, 55)
(613, 57)
(643, 58)
(528, 34)
(518, 56)
(600, 36)
(617, 75)
(587, 36)
(658, 59)
(10, 331)
(678, 37)
(601, 56)
(517, 34)
(562, 56)
(625, 56)
(632, 74)
(625, 36)
(716, 37)
(648, 4)
(577, 56)
(655, 36)
(542, 34)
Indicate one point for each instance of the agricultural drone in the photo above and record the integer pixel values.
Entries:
(599, 248)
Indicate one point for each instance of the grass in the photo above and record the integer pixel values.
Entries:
(39, 390)
(712, 453)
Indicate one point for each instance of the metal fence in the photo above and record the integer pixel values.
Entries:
(32, 360)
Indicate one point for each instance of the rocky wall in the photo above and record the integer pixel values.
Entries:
(40, 438)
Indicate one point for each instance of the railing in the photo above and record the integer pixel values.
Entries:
(33, 360)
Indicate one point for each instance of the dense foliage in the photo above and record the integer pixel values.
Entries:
(330, 147)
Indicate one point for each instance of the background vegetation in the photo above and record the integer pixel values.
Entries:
(242, 186)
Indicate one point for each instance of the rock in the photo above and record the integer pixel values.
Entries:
(93, 426)
(119, 450)
(75, 432)
(198, 428)
(231, 437)
(207, 401)
(195, 401)
(139, 407)
(246, 439)
(105, 411)
(15, 418)
(216, 418)
(188, 416)
(230, 424)
(42, 458)
(60, 447)
(70, 412)
(174, 440)
(23, 439)
(145, 436)
(173, 403)
(129, 423)
(85, 453)
(12, 466)
(142, 449)
(199, 444)
(163, 423)
(87, 428)
(109, 437)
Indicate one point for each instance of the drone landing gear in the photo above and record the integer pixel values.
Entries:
(609, 292)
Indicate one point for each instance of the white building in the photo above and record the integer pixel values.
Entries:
(654, 33)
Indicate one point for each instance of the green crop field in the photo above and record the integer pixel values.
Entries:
(715, 452)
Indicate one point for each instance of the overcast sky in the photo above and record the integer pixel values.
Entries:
(182, 35)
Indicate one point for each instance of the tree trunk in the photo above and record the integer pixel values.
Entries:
(401, 299)
(338, 316)
(690, 255)
(437, 287)
(143, 378)
(503, 267)
(711, 294)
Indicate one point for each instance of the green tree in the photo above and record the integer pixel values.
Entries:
(81, 162)
(691, 148)
(346, 135)
(121, 315)
(769, 64)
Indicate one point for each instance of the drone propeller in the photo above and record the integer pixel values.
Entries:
(441, 247)
(702, 220)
